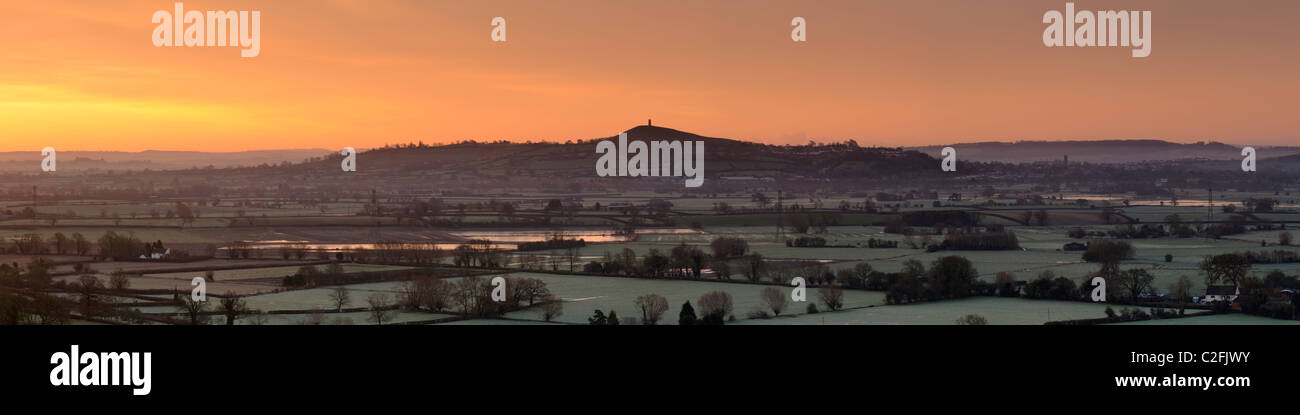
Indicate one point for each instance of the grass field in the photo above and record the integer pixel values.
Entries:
(584, 295)
(1235, 319)
(272, 272)
(1001, 311)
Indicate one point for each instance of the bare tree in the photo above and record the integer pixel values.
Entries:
(1182, 291)
(715, 304)
(314, 318)
(256, 318)
(233, 306)
(571, 254)
(552, 307)
(89, 287)
(119, 281)
(380, 308)
(774, 299)
(832, 296)
(473, 296)
(652, 308)
(340, 297)
(193, 309)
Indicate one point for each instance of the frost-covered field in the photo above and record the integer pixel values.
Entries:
(1041, 251)
(1235, 319)
(583, 295)
(319, 298)
(358, 318)
(271, 272)
(1004, 311)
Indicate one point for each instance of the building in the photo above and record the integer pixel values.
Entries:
(157, 255)
(1216, 293)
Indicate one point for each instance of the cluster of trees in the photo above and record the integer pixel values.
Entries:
(554, 260)
(881, 243)
(1278, 256)
(1257, 295)
(478, 253)
(1174, 226)
(817, 222)
(1136, 314)
(714, 308)
(1108, 252)
(1048, 286)
(230, 306)
(121, 247)
(406, 252)
(726, 247)
(556, 241)
(60, 244)
(1261, 296)
(22, 300)
(806, 242)
(683, 261)
(310, 275)
(472, 296)
(650, 309)
(948, 277)
(978, 241)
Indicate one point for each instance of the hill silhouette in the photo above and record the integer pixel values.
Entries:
(723, 158)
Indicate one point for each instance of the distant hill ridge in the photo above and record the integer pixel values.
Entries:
(723, 157)
(1102, 151)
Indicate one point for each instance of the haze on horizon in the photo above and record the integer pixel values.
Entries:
(83, 75)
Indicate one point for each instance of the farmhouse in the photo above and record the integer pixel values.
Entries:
(1216, 293)
(157, 255)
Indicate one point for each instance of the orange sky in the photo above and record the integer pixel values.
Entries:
(84, 75)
